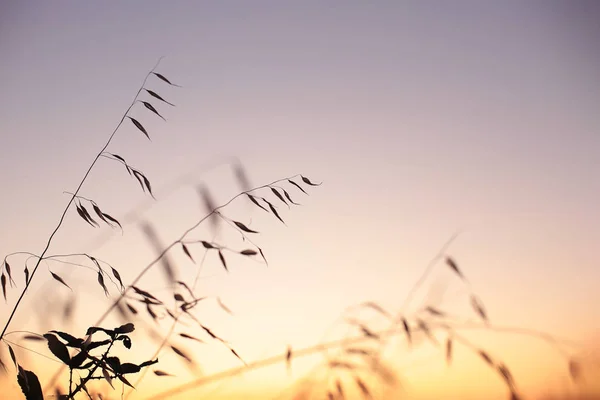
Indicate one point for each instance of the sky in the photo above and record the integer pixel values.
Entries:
(420, 118)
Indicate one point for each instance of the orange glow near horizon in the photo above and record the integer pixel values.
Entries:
(422, 120)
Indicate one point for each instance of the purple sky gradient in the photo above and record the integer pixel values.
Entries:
(420, 117)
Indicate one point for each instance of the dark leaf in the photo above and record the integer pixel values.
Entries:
(129, 368)
(279, 196)
(222, 258)
(339, 388)
(131, 308)
(210, 333)
(407, 330)
(274, 210)
(139, 126)
(298, 186)
(78, 359)
(263, 255)
(101, 283)
(124, 380)
(288, 357)
(368, 333)
(26, 271)
(434, 311)
(170, 314)
(127, 328)
(7, 267)
(138, 175)
(83, 215)
(106, 376)
(151, 312)
(181, 354)
(71, 340)
(12, 355)
(145, 294)
(147, 183)
(151, 108)
(162, 77)
(58, 348)
(126, 341)
(99, 213)
(114, 363)
(253, 199)
(187, 252)
(58, 278)
(156, 96)
(486, 357)
(3, 279)
(186, 287)
(376, 307)
(448, 351)
(362, 352)
(185, 335)
(287, 196)
(238, 356)
(33, 338)
(363, 388)
(95, 262)
(118, 276)
(88, 216)
(93, 329)
(118, 157)
(207, 245)
(111, 219)
(161, 373)
(148, 363)
(454, 266)
(178, 297)
(30, 385)
(95, 345)
(248, 252)
(506, 375)
(308, 182)
(243, 227)
(478, 307)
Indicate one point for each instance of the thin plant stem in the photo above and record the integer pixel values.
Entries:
(335, 344)
(165, 251)
(71, 200)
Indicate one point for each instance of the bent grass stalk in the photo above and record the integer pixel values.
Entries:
(71, 200)
(163, 253)
(308, 351)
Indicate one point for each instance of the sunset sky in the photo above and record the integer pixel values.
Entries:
(421, 119)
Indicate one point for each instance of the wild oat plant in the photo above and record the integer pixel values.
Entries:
(354, 363)
(89, 358)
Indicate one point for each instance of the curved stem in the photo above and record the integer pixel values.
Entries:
(334, 344)
(164, 252)
(64, 213)
(170, 332)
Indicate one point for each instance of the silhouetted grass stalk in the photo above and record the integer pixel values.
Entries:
(154, 262)
(70, 202)
(311, 350)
